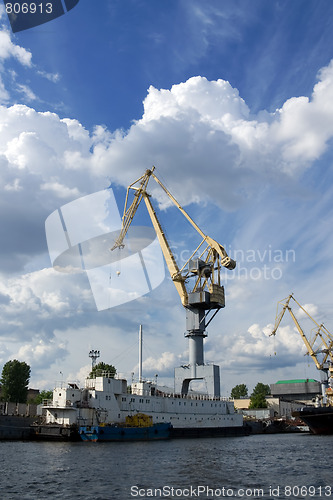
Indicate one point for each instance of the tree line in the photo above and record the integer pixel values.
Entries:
(257, 397)
(16, 375)
(14, 381)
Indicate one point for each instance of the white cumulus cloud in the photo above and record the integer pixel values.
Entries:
(9, 49)
(201, 130)
(163, 365)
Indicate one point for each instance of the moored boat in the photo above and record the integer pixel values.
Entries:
(106, 403)
(137, 428)
(318, 419)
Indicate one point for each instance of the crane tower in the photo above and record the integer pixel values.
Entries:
(203, 300)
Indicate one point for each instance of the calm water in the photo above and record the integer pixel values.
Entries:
(247, 467)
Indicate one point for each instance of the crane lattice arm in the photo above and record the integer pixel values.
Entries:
(326, 344)
(210, 253)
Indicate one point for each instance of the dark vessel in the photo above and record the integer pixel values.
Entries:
(319, 420)
(15, 427)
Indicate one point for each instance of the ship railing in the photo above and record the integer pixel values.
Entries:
(49, 403)
(63, 384)
(103, 373)
(192, 397)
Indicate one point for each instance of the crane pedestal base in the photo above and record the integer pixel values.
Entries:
(209, 373)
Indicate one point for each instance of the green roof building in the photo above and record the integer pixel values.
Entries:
(304, 390)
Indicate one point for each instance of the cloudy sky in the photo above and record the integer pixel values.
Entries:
(232, 101)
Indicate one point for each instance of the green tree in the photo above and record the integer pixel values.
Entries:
(239, 391)
(41, 396)
(258, 396)
(101, 368)
(15, 380)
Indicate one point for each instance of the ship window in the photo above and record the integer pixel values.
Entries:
(180, 403)
(59, 394)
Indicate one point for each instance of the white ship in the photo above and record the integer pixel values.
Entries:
(107, 400)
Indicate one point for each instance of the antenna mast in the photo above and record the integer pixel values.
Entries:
(93, 355)
(140, 354)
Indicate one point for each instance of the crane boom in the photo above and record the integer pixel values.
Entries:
(227, 262)
(298, 326)
(178, 280)
(324, 348)
(215, 252)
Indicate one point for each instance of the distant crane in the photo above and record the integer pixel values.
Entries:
(319, 347)
(204, 266)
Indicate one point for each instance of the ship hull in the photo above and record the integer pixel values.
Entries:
(15, 427)
(122, 433)
(49, 432)
(319, 420)
(205, 432)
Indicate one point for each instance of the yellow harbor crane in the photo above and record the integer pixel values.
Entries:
(319, 346)
(204, 266)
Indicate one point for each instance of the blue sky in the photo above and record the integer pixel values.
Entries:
(232, 101)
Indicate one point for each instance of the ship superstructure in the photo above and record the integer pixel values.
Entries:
(107, 400)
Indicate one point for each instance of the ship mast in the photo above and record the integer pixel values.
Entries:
(140, 354)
